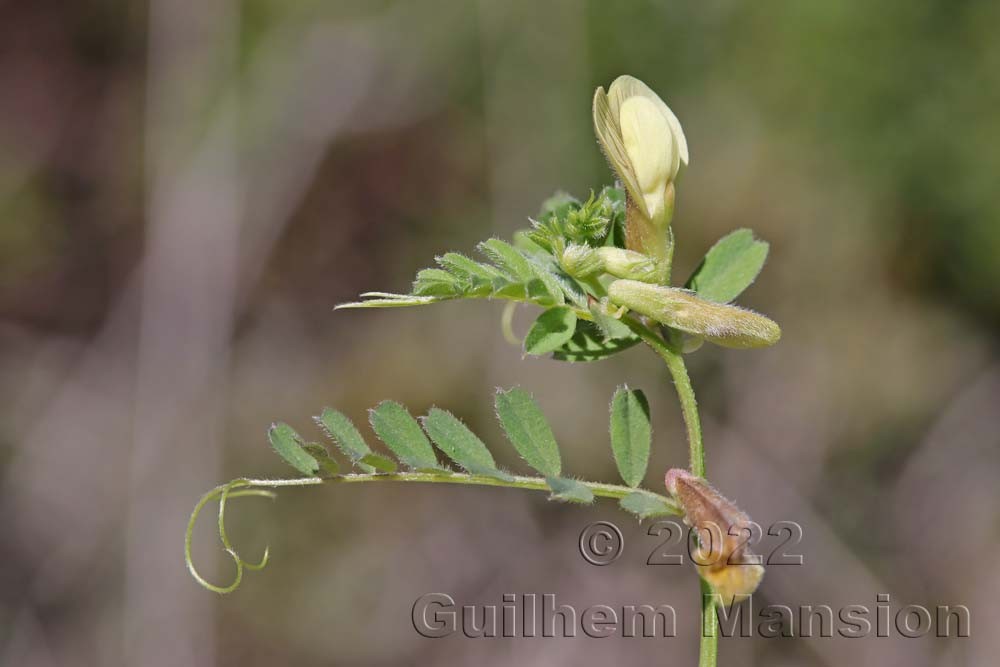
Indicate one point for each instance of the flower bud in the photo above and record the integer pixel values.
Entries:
(581, 261)
(721, 324)
(645, 145)
(642, 139)
(630, 264)
(723, 558)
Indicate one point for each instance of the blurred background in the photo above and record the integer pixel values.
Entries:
(187, 188)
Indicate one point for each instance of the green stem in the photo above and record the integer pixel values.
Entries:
(685, 392)
(615, 491)
(708, 650)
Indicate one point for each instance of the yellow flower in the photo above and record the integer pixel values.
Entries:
(644, 143)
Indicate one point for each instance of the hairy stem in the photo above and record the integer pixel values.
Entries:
(708, 650)
(599, 489)
(685, 392)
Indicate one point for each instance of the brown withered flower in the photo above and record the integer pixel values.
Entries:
(723, 558)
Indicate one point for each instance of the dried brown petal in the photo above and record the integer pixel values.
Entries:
(723, 531)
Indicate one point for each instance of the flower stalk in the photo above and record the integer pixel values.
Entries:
(601, 271)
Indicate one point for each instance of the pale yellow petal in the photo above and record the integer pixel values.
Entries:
(650, 146)
(627, 86)
(609, 136)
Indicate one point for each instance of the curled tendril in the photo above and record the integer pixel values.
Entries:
(223, 493)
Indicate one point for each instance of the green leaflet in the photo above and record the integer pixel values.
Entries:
(646, 505)
(571, 289)
(460, 444)
(345, 435)
(467, 269)
(287, 443)
(504, 289)
(508, 258)
(377, 462)
(529, 431)
(541, 292)
(537, 281)
(631, 434)
(401, 433)
(551, 330)
(436, 282)
(569, 490)
(552, 292)
(588, 344)
(325, 463)
(562, 287)
(518, 276)
(390, 300)
(729, 267)
(605, 317)
(476, 279)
